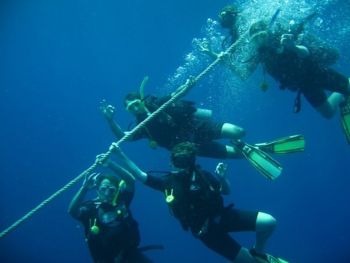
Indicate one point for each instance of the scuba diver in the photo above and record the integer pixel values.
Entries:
(182, 121)
(301, 63)
(228, 19)
(194, 197)
(111, 232)
(298, 61)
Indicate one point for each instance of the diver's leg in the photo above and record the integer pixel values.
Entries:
(232, 131)
(339, 84)
(233, 153)
(244, 256)
(330, 106)
(265, 225)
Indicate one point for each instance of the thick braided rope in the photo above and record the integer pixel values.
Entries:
(180, 91)
(46, 201)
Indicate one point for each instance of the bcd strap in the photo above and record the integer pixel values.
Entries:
(297, 102)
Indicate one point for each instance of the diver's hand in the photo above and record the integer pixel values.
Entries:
(287, 41)
(102, 159)
(221, 169)
(107, 110)
(205, 48)
(90, 181)
(115, 149)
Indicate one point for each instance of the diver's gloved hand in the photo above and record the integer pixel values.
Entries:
(221, 169)
(102, 159)
(107, 110)
(90, 181)
(287, 41)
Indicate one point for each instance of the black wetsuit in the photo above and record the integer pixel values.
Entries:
(310, 75)
(118, 238)
(198, 205)
(177, 124)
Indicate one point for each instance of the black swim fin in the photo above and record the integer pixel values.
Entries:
(264, 163)
(289, 144)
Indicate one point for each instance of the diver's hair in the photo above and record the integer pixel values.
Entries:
(131, 96)
(257, 27)
(184, 148)
(228, 20)
(114, 180)
(232, 9)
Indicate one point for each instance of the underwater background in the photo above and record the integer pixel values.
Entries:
(59, 59)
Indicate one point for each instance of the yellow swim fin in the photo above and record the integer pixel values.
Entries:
(345, 119)
(142, 87)
(289, 144)
(261, 161)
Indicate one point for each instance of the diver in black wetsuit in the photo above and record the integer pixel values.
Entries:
(194, 197)
(111, 232)
(301, 63)
(180, 122)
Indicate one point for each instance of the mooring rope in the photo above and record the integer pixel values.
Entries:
(179, 92)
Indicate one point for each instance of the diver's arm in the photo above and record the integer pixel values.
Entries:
(76, 201)
(74, 205)
(118, 132)
(108, 112)
(132, 167)
(206, 49)
(210, 53)
(185, 88)
(302, 51)
(225, 186)
(123, 174)
(287, 42)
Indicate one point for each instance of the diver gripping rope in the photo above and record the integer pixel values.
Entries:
(179, 92)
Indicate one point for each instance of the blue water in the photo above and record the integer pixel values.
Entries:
(59, 59)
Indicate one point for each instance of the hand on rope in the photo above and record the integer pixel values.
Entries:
(222, 55)
(114, 148)
(185, 87)
(205, 47)
(102, 159)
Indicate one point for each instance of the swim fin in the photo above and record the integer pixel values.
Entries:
(289, 144)
(264, 163)
(345, 118)
(266, 258)
(271, 259)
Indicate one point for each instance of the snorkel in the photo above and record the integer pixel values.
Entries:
(134, 102)
(142, 87)
(121, 186)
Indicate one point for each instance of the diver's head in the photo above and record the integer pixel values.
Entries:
(228, 16)
(134, 104)
(258, 33)
(107, 188)
(183, 155)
